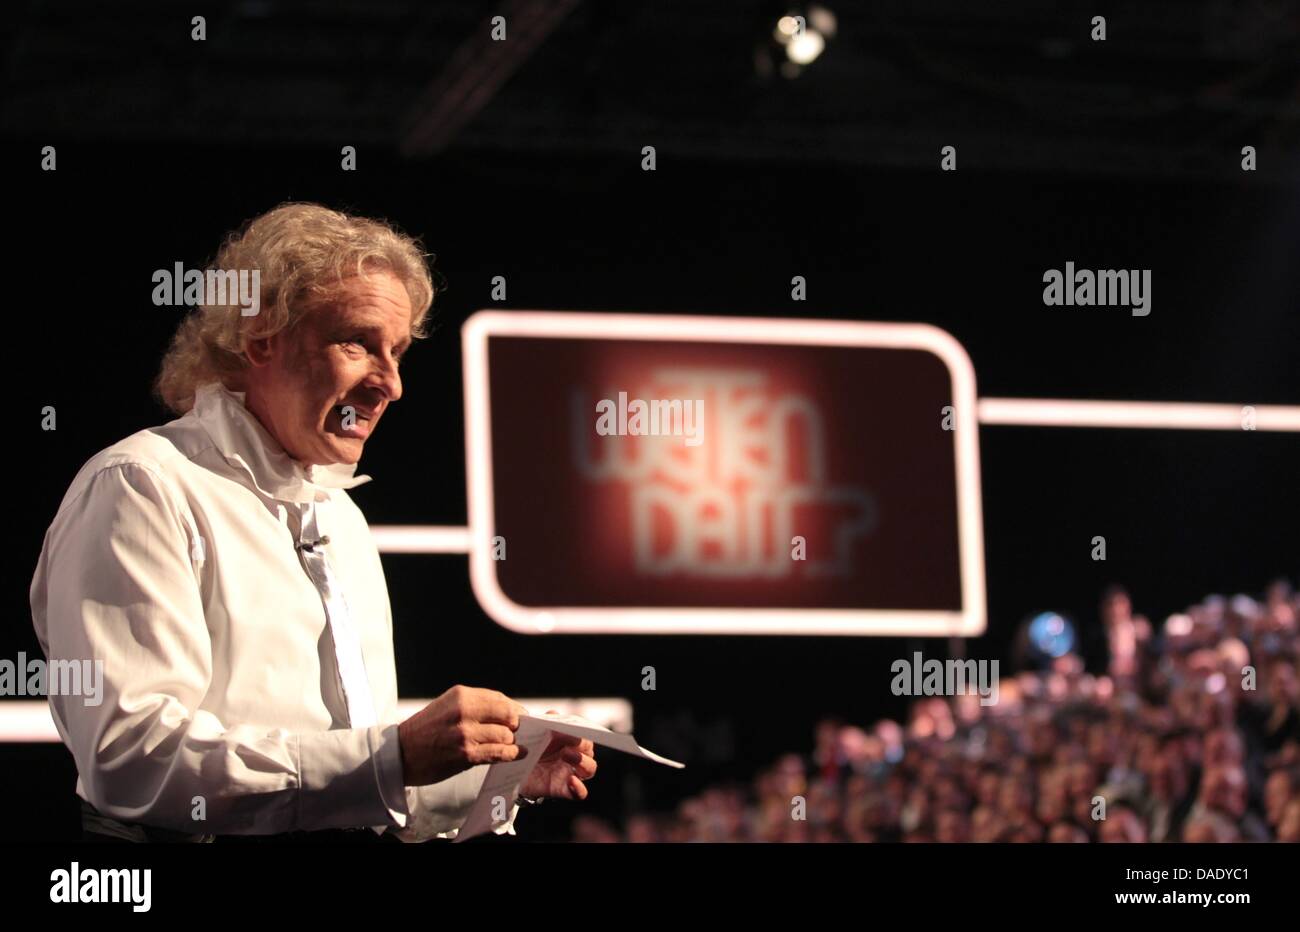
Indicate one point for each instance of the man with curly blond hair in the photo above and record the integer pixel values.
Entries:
(232, 590)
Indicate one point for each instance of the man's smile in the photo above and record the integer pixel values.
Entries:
(352, 420)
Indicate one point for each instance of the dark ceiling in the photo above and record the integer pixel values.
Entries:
(1177, 88)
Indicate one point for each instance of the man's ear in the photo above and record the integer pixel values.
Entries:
(261, 350)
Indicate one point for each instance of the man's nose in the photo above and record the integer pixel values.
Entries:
(388, 379)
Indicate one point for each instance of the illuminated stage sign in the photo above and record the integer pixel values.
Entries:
(653, 474)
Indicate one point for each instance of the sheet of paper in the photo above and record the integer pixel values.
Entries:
(501, 786)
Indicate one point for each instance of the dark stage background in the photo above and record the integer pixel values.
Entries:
(573, 223)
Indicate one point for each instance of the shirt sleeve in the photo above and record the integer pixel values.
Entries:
(436, 810)
(118, 586)
(439, 809)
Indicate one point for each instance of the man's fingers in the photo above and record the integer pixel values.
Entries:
(496, 753)
(498, 708)
(584, 765)
(484, 733)
(577, 788)
(582, 758)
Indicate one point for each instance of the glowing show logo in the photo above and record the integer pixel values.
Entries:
(753, 500)
(659, 417)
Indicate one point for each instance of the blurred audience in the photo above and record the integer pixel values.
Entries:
(1192, 733)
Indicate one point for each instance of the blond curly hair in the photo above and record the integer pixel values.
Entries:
(303, 252)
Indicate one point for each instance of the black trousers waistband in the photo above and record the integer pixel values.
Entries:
(97, 828)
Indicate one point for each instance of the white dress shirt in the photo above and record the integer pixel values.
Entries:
(172, 559)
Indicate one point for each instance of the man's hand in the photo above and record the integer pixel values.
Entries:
(460, 729)
(566, 762)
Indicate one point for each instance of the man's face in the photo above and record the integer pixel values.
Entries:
(1223, 748)
(1225, 790)
(1123, 827)
(321, 386)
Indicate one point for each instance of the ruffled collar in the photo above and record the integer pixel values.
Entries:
(244, 442)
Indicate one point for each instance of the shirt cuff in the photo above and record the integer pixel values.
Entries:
(350, 778)
(439, 809)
